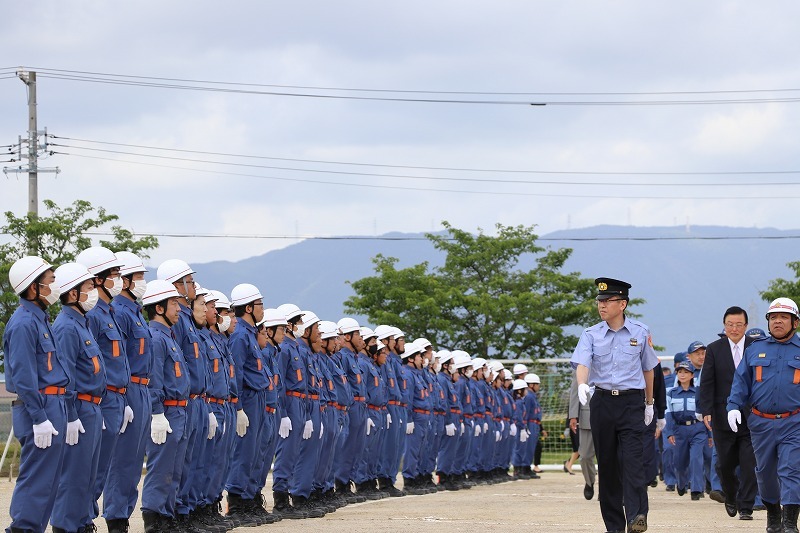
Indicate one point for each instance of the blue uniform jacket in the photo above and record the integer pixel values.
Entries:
(768, 378)
(105, 329)
(169, 379)
(138, 341)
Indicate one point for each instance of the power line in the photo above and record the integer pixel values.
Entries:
(453, 169)
(430, 190)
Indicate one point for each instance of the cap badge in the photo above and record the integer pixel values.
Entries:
(602, 286)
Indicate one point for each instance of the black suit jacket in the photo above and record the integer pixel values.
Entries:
(715, 384)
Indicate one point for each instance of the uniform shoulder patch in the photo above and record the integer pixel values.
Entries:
(762, 355)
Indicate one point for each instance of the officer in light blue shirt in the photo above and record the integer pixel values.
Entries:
(769, 385)
(617, 357)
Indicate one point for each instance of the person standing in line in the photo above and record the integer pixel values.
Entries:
(617, 357)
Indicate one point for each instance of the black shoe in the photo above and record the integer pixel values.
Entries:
(385, 485)
(119, 525)
(681, 491)
(638, 525)
(759, 508)
(717, 495)
(302, 504)
(790, 515)
(284, 509)
(774, 518)
(730, 508)
(152, 522)
(670, 488)
(697, 495)
(745, 514)
(588, 491)
(653, 483)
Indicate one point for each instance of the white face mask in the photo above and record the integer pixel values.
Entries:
(137, 288)
(425, 362)
(225, 324)
(470, 371)
(437, 367)
(117, 288)
(91, 300)
(299, 331)
(55, 293)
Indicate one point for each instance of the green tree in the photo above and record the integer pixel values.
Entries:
(784, 288)
(500, 296)
(58, 237)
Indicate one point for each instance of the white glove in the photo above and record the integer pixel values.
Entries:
(388, 420)
(308, 429)
(497, 436)
(584, 393)
(661, 424)
(648, 414)
(159, 427)
(462, 429)
(734, 419)
(285, 427)
(513, 430)
(523, 436)
(409, 428)
(224, 426)
(127, 418)
(370, 425)
(502, 426)
(104, 424)
(73, 428)
(212, 425)
(242, 423)
(321, 429)
(477, 430)
(485, 427)
(450, 429)
(699, 417)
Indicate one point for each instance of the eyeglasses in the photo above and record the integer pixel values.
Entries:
(737, 325)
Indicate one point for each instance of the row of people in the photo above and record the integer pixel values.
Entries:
(216, 392)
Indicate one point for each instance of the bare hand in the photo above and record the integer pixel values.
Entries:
(707, 421)
(672, 440)
(573, 425)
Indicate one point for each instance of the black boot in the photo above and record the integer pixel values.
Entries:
(55, 530)
(201, 519)
(368, 490)
(259, 510)
(214, 514)
(284, 509)
(448, 482)
(316, 499)
(186, 524)
(343, 490)
(790, 513)
(152, 522)
(238, 513)
(118, 525)
(386, 486)
(774, 518)
(301, 503)
(410, 486)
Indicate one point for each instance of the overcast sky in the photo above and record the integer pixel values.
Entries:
(452, 47)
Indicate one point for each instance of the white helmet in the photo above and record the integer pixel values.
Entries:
(347, 325)
(243, 294)
(423, 342)
(157, 291)
(131, 263)
(783, 305)
(200, 291)
(383, 331)
(398, 333)
(411, 349)
(444, 356)
(461, 359)
(495, 366)
(380, 346)
(519, 384)
(220, 298)
(98, 259)
(328, 329)
(532, 378)
(24, 271)
(70, 275)
(367, 333)
(478, 362)
(290, 311)
(309, 319)
(507, 374)
(173, 270)
(272, 317)
(519, 368)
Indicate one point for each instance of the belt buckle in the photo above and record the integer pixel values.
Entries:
(614, 392)
(779, 415)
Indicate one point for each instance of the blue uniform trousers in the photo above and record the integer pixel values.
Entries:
(73, 506)
(164, 465)
(393, 443)
(690, 442)
(121, 491)
(668, 462)
(308, 457)
(246, 449)
(344, 433)
(113, 408)
(269, 442)
(437, 430)
(211, 478)
(518, 452)
(353, 446)
(39, 469)
(288, 449)
(448, 447)
(776, 444)
(530, 446)
(226, 447)
(414, 445)
(190, 488)
(489, 443)
(464, 447)
(367, 464)
(323, 480)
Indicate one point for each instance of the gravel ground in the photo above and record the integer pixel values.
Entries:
(553, 503)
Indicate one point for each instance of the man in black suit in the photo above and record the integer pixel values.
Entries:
(733, 449)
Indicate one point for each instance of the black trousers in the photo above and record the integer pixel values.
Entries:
(735, 449)
(618, 431)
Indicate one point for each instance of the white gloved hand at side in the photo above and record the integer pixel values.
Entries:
(308, 429)
(285, 427)
(485, 427)
(242, 423)
(212, 425)
(497, 436)
(584, 393)
(734, 419)
(321, 429)
(388, 420)
(127, 418)
(477, 430)
(409, 428)
(513, 430)
(370, 425)
(73, 428)
(462, 429)
(450, 430)
(648, 414)
(661, 423)
(523, 436)
(159, 427)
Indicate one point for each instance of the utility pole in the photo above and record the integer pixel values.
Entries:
(33, 170)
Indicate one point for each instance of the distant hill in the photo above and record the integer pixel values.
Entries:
(688, 276)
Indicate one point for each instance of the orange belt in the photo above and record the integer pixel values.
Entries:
(294, 393)
(774, 416)
(118, 390)
(395, 402)
(467, 416)
(234, 400)
(455, 411)
(375, 407)
(338, 406)
(193, 396)
(478, 415)
(269, 409)
(89, 398)
(140, 381)
(422, 411)
(175, 403)
(220, 401)
(314, 396)
(51, 390)
(506, 419)
(359, 398)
